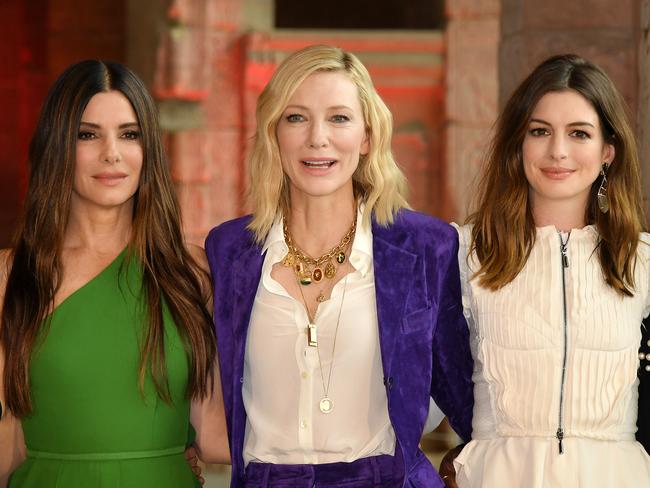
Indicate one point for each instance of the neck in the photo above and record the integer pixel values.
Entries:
(557, 213)
(99, 230)
(317, 224)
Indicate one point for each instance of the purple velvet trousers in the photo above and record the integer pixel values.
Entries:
(372, 472)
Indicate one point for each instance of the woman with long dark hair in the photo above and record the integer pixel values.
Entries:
(105, 335)
(556, 279)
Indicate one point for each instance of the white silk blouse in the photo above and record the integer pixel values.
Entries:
(282, 376)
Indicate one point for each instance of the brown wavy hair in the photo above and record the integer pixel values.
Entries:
(169, 272)
(503, 233)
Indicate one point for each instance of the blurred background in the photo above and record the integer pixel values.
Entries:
(443, 68)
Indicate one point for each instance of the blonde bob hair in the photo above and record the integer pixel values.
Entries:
(378, 181)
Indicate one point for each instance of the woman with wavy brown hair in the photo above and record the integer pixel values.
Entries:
(105, 336)
(556, 279)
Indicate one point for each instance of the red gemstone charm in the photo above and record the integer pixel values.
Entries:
(317, 274)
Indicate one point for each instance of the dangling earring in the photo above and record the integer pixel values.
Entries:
(601, 197)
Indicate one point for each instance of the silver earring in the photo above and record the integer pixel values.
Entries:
(601, 197)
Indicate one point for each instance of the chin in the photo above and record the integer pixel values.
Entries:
(323, 189)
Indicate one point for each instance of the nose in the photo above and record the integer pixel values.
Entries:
(558, 149)
(317, 136)
(110, 151)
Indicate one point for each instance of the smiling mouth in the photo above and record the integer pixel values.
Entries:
(557, 173)
(319, 164)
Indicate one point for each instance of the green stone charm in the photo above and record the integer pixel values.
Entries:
(305, 280)
(340, 257)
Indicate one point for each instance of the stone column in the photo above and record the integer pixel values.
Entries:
(472, 90)
(196, 80)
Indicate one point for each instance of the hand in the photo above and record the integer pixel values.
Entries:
(193, 460)
(447, 470)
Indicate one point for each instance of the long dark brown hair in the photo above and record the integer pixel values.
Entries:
(169, 272)
(504, 230)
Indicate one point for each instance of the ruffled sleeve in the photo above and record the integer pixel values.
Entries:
(464, 240)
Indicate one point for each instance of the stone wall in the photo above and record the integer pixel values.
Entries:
(472, 94)
(602, 32)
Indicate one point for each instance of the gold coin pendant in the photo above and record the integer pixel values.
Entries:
(326, 405)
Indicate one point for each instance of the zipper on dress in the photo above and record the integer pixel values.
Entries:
(565, 264)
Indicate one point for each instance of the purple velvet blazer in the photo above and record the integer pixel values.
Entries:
(423, 335)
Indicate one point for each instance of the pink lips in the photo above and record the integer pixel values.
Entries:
(110, 178)
(557, 173)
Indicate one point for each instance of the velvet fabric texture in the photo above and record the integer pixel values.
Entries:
(423, 335)
(372, 472)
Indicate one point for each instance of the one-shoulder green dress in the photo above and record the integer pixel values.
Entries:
(91, 425)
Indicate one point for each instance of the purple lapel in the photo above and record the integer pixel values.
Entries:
(393, 280)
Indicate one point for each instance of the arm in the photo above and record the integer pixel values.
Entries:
(207, 415)
(12, 443)
(447, 471)
(209, 420)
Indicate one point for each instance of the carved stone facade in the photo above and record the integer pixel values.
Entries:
(207, 60)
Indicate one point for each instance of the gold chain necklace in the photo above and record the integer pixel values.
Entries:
(326, 405)
(302, 267)
(312, 270)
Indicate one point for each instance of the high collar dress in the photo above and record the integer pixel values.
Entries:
(555, 356)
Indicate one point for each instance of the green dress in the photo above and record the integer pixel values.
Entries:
(91, 425)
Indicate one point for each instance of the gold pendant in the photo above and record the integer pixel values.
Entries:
(299, 268)
(317, 274)
(312, 335)
(320, 298)
(330, 270)
(326, 405)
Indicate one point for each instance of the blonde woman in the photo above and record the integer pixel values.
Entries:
(556, 280)
(337, 309)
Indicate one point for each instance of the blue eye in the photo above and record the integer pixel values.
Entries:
(340, 118)
(295, 118)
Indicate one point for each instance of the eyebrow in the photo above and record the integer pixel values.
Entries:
(334, 107)
(572, 124)
(121, 126)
